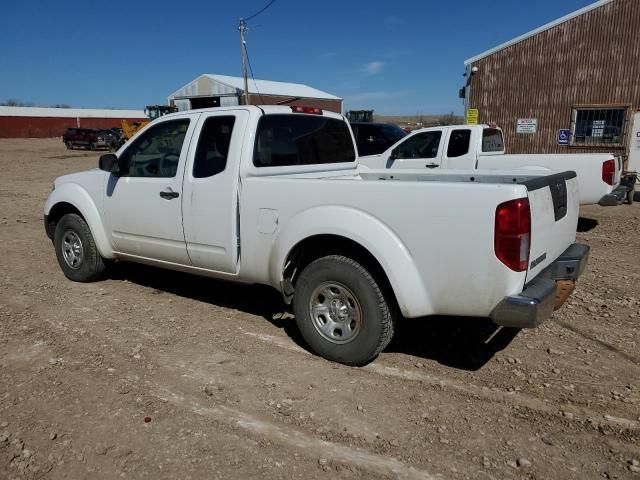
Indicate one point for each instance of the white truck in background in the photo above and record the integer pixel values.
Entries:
(481, 147)
(274, 195)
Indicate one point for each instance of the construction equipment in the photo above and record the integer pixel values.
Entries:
(360, 116)
(129, 129)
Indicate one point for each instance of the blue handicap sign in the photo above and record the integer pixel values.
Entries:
(563, 136)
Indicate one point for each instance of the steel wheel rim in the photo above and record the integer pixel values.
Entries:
(335, 313)
(72, 250)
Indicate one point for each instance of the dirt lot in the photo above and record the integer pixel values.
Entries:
(153, 374)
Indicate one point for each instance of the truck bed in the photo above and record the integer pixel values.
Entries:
(445, 228)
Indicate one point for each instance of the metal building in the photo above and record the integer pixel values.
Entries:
(37, 122)
(572, 85)
(211, 90)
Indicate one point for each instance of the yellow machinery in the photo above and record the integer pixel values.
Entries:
(152, 112)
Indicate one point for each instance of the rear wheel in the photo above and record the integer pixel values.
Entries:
(341, 311)
(630, 195)
(76, 250)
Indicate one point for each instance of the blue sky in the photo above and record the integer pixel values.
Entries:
(127, 54)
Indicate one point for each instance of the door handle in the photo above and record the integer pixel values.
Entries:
(432, 165)
(169, 194)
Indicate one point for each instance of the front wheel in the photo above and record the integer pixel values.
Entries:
(341, 311)
(76, 250)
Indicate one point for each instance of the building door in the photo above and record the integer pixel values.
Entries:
(634, 144)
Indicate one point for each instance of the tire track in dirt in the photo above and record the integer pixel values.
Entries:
(469, 389)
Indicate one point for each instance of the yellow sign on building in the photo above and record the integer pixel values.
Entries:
(472, 116)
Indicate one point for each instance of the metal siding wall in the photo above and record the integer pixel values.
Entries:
(591, 59)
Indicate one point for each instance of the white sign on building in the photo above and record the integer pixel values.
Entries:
(527, 125)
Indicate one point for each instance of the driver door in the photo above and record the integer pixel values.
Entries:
(143, 207)
(418, 151)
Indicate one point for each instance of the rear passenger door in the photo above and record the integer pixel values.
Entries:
(211, 182)
(458, 154)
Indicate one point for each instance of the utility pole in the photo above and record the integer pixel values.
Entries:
(243, 47)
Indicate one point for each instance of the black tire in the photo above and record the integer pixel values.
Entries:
(69, 145)
(376, 320)
(92, 146)
(90, 265)
(630, 196)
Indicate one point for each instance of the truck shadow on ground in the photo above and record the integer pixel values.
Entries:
(452, 341)
(586, 224)
(459, 342)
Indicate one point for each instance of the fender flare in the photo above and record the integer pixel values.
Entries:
(369, 232)
(79, 198)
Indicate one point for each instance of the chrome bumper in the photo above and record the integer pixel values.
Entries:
(536, 302)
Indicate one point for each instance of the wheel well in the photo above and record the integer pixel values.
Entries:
(58, 211)
(318, 246)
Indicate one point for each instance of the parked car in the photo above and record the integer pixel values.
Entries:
(91, 138)
(273, 195)
(373, 138)
(481, 147)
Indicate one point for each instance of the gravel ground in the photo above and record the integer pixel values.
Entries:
(154, 374)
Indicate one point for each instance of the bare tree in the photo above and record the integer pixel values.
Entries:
(12, 102)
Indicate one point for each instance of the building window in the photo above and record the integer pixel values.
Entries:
(598, 126)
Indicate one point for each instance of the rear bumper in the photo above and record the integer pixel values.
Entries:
(537, 301)
(616, 197)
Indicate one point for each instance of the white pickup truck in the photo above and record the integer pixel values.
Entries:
(481, 147)
(273, 195)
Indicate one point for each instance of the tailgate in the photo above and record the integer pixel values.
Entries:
(554, 203)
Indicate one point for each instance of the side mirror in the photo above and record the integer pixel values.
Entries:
(112, 164)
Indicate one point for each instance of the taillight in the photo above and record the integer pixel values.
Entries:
(609, 172)
(513, 234)
(311, 110)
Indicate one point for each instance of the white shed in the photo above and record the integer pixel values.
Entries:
(212, 90)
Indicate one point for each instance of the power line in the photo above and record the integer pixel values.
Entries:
(252, 77)
(259, 11)
(245, 58)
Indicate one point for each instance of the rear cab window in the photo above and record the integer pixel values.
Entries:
(492, 140)
(288, 140)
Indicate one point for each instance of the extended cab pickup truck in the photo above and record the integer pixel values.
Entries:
(273, 195)
(481, 147)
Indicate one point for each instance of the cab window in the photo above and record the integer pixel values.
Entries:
(286, 140)
(421, 145)
(492, 140)
(213, 146)
(459, 143)
(156, 153)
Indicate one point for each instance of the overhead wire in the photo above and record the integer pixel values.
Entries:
(260, 11)
(244, 20)
(252, 77)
